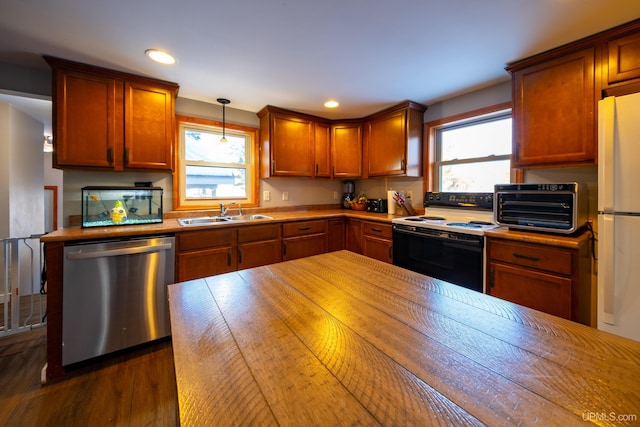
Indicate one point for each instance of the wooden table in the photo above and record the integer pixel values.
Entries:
(342, 339)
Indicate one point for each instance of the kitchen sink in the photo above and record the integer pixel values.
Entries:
(207, 220)
(203, 220)
(254, 217)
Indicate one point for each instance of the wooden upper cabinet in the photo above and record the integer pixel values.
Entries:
(346, 149)
(149, 125)
(287, 143)
(323, 149)
(393, 141)
(554, 110)
(87, 117)
(111, 120)
(623, 59)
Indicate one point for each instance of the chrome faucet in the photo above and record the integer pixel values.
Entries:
(223, 210)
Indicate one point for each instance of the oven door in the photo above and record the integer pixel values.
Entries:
(453, 257)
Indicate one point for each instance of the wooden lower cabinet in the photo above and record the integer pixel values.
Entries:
(205, 253)
(336, 234)
(555, 280)
(377, 241)
(541, 291)
(259, 245)
(353, 235)
(304, 238)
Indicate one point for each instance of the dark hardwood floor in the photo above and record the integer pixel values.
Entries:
(133, 388)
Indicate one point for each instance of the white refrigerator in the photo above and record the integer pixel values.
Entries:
(619, 215)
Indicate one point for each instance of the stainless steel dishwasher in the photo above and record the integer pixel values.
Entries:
(115, 295)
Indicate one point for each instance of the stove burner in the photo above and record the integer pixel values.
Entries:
(465, 224)
(425, 218)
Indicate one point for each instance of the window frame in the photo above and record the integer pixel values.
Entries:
(180, 202)
(431, 175)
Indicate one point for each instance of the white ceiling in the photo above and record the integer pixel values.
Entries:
(367, 54)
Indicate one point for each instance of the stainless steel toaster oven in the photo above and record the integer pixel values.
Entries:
(556, 208)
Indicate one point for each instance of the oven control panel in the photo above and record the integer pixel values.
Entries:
(476, 201)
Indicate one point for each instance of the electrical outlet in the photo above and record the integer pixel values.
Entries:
(409, 194)
(335, 195)
(285, 195)
(266, 196)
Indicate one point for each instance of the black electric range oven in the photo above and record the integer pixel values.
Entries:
(447, 242)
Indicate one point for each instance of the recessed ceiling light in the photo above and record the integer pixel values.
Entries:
(160, 56)
(331, 104)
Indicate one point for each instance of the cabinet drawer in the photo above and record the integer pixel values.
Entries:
(205, 239)
(377, 229)
(533, 256)
(292, 229)
(258, 232)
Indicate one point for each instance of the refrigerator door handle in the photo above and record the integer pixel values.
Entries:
(607, 269)
(606, 139)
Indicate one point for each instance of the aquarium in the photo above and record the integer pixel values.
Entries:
(108, 206)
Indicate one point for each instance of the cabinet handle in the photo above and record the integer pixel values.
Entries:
(491, 277)
(307, 227)
(126, 156)
(316, 169)
(390, 252)
(333, 171)
(229, 257)
(377, 230)
(402, 164)
(239, 256)
(110, 154)
(284, 248)
(527, 257)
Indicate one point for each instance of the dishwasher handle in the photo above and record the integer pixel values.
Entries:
(120, 251)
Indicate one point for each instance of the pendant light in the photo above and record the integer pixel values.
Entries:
(224, 102)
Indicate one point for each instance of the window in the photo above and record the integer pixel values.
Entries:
(471, 152)
(210, 172)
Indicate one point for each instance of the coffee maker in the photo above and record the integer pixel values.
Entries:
(349, 193)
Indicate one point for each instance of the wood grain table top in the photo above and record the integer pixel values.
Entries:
(342, 339)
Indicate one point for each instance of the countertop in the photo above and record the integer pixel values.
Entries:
(170, 225)
(342, 339)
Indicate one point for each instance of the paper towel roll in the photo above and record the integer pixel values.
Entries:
(391, 202)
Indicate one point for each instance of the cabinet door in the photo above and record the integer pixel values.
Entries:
(205, 263)
(353, 233)
(554, 112)
(323, 150)
(386, 139)
(541, 291)
(259, 245)
(87, 120)
(336, 234)
(378, 248)
(149, 127)
(303, 246)
(292, 146)
(624, 59)
(346, 150)
(254, 254)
